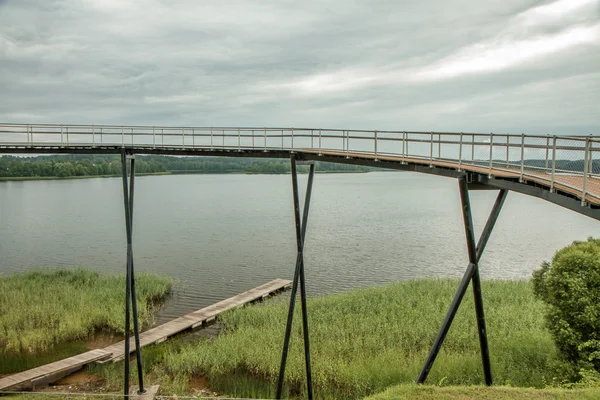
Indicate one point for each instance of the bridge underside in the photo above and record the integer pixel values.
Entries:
(478, 178)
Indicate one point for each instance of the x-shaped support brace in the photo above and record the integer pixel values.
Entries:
(471, 275)
(298, 278)
(130, 295)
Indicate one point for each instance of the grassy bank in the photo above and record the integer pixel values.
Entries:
(40, 309)
(368, 340)
(402, 392)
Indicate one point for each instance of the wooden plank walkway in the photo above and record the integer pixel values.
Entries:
(51, 372)
(196, 318)
(25, 378)
(567, 183)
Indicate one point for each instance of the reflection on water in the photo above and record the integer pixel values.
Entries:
(219, 235)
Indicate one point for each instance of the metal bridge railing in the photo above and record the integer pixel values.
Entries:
(568, 161)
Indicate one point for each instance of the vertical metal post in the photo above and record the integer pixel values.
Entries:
(182, 137)
(122, 136)
(553, 163)
(347, 143)
(298, 278)
(93, 137)
(193, 137)
(522, 157)
(491, 153)
(431, 151)
(211, 138)
(473, 148)
(585, 170)
(265, 140)
(131, 137)
(460, 152)
(292, 138)
(239, 140)
(253, 138)
(153, 137)
(282, 138)
(375, 145)
(312, 139)
(319, 142)
(62, 141)
(130, 292)
(162, 136)
(547, 151)
(439, 145)
(67, 128)
(101, 136)
(472, 250)
(403, 147)
(127, 279)
(464, 284)
(507, 150)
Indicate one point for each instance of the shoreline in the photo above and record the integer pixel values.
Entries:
(59, 178)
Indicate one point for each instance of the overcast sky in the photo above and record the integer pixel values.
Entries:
(457, 65)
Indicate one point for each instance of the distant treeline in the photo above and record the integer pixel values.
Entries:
(96, 165)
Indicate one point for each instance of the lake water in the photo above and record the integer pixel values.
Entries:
(219, 235)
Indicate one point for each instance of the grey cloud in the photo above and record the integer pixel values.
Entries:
(252, 63)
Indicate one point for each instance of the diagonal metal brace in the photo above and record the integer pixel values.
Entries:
(298, 278)
(130, 293)
(471, 274)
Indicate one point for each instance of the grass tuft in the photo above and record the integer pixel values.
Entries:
(41, 308)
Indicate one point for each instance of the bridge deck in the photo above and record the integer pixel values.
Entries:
(51, 372)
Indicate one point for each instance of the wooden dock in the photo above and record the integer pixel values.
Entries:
(49, 373)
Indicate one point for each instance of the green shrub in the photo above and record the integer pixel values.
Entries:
(570, 286)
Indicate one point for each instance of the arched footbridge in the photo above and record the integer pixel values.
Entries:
(564, 170)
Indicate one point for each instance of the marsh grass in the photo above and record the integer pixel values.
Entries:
(41, 308)
(366, 340)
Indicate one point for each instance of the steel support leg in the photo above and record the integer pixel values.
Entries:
(298, 278)
(130, 294)
(471, 274)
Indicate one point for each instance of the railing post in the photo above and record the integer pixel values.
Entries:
(265, 150)
(62, 141)
(553, 163)
(153, 137)
(585, 170)
(282, 139)
(312, 139)
(403, 156)
(239, 140)
(460, 152)
(162, 136)
(193, 137)
(439, 146)
(376, 146)
(547, 151)
(473, 148)
(253, 138)
(319, 142)
(522, 157)
(211, 138)
(347, 143)
(507, 150)
(491, 153)
(131, 137)
(431, 151)
(67, 129)
(93, 136)
(101, 136)
(182, 137)
(28, 134)
(292, 139)
(122, 136)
